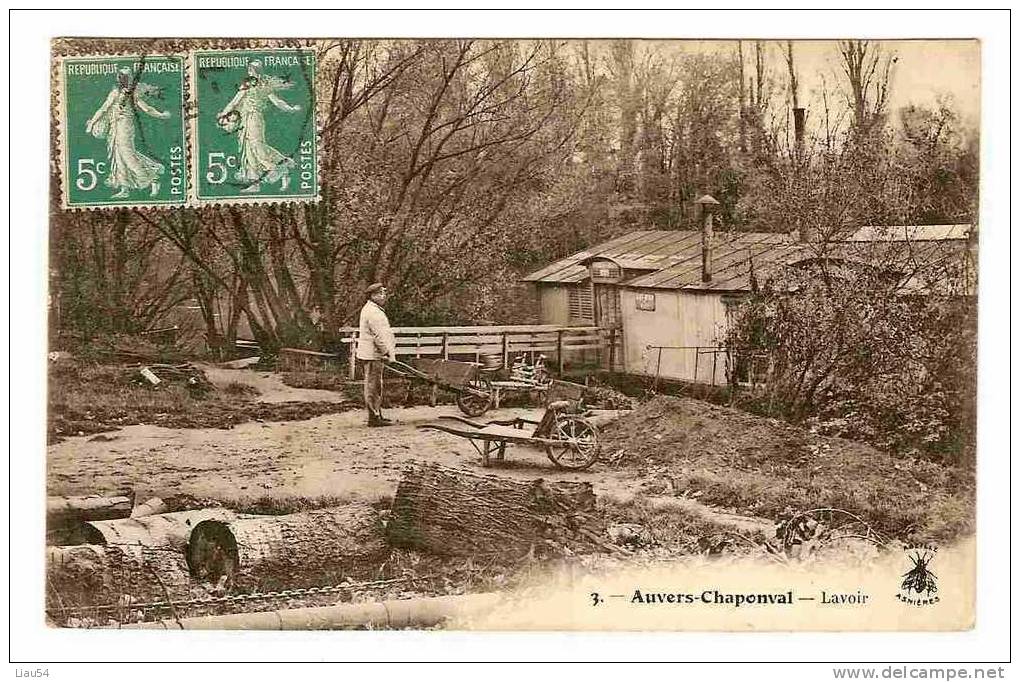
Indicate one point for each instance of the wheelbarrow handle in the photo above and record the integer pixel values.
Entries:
(403, 369)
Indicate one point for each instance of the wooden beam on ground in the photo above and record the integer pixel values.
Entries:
(88, 507)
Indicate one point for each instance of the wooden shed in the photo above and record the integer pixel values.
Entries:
(669, 294)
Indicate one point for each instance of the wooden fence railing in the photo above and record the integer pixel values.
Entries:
(505, 341)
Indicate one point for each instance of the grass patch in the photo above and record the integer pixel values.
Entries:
(86, 398)
(678, 530)
(323, 381)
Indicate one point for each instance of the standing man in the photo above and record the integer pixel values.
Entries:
(375, 344)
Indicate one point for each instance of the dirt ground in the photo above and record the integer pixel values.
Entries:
(269, 385)
(763, 467)
(334, 457)
(721, 464)
(681, 475)
(86, 398)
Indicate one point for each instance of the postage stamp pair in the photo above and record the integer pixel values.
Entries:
(172, 130)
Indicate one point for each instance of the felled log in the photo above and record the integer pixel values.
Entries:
(153, 505)
(308, 549)
(456, 513)
(421, 612)
(64, 515)
(87, 508)
(161, 530)
(90, 575)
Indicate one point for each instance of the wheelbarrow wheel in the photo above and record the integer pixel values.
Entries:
(580, 442)
(472, 404)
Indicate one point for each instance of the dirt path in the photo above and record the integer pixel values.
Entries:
(335, 455)
(332, 456)
(269, 384)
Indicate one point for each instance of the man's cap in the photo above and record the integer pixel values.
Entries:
(372, 288)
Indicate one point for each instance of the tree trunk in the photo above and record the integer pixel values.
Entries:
(451, 512)
(91, 575)
(161, 530)
(742, 114)
(315, 548)
(65, 514)
(150, 507)
(418, 613)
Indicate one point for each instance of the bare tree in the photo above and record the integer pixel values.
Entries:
(116, 274)
(433, 149)
(799, 115)
(867, 67)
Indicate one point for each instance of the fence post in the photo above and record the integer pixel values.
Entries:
(446, 348)
(506, 350)
(559, 349)
(352, 361)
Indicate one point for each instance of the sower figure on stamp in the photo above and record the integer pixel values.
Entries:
(116, 120)
(244, 115)
(376, 343)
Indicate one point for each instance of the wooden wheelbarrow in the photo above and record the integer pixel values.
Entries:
(474, 392)
(570, 440)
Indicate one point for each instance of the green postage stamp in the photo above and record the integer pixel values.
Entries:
(122, 136)
(254, 131)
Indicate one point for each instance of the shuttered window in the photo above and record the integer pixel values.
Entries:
(582, 309)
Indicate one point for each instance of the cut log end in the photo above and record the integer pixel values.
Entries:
(87, 534)
(212, 552)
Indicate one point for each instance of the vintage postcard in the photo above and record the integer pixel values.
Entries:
(530, 334)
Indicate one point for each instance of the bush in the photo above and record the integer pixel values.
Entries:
(862, 358)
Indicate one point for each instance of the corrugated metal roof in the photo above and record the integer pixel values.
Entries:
(731, 257)
(909, 233)
(568, 270)
(658, 250)
(926, 265)
(674, 256)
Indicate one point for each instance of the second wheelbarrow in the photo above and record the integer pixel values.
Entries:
(570, 440)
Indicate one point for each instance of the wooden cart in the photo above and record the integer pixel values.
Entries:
(474, 391)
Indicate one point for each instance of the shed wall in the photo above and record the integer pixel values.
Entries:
(680, 318)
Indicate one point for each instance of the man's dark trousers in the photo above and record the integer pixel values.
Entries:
(374, 389)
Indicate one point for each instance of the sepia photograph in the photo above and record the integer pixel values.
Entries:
(475, 334)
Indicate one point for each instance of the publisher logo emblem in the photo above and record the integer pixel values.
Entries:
(919, 585)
